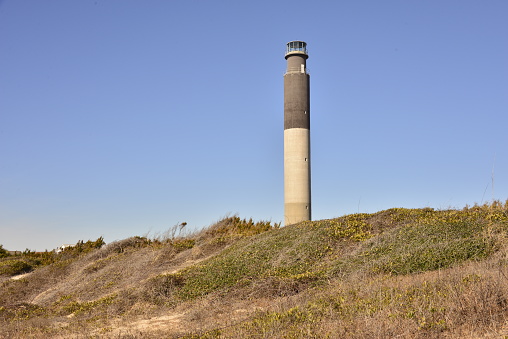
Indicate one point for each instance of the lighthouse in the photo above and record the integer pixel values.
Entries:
(297, 203)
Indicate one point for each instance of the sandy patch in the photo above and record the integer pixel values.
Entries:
(21, 276)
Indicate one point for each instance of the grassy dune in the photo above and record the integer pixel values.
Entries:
(411, 273)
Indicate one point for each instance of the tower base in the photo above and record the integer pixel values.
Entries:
(296, 212)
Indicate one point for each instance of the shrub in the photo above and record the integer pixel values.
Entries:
(234, 227)
(14, 267)
(78, 307)
(160, 288)
(85, 247)
(183, 244)
(3, 252)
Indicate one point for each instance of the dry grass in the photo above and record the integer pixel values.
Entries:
(407, 273)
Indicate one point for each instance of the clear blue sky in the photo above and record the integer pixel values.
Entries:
(122, 118)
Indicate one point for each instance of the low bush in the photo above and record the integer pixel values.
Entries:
(15, 267)
(161, 288)
(3, 252)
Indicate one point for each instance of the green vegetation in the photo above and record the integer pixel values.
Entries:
(29, 260)
(15, 266)
(431, 240)
(419, 273)
(3, 252)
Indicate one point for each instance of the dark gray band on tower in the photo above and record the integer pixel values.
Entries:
(296, 105)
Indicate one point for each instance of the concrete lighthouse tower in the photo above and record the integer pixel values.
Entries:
(297, 205)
